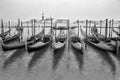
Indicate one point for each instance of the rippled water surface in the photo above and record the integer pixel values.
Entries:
(92, 65)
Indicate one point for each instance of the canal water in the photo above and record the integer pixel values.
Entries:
(92, 65)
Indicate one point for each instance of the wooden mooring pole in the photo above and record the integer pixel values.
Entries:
(68, 44)
(51, 26)
(2, 26)
(9, 27)
(78, 27)
(55, 29)
(44, 28)
(52, 33)
(34, 28)
(21, 31)
(106, 28)
(18, 23)
(68, 25)
(118, 44)
(28, 29)
(100, 26)
(109, 28)
(18, 29)
(86, 33)
(112, 24)
(89, 26)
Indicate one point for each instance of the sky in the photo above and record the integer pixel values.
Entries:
(67, 9)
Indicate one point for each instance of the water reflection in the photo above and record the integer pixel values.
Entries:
(18, 54)
(36, 56)
(105, 56)
(15, 55)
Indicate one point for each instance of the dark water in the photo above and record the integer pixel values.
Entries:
(44, 64)
(92, 64)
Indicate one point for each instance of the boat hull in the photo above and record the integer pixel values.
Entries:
(32, 48)
(102, 46)
(4, 34)
(11, 39)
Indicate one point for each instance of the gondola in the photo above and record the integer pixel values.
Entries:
(15, 46)
(58, 47)
(60, 41)
(109, 40)
(36, 36)
(102, 45)
(5, 33)
(18, 45)
(44, 42)
(30, 41)
(10, 39)
(116, 32)
(76, 42)
(95, 36)
(98, 36)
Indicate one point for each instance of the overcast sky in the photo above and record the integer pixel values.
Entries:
(72, 9)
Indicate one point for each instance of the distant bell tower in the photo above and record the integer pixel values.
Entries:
(42, 15)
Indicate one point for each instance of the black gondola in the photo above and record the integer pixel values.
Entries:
(58, 46)
(116, 32)
(102, 45)
(18, 45)
(10, 39)
(60, 41)
(98, 36)
(77, 48)
(30, 41)
(45, 41)
(76, 42)
(39, 35)
(5, 33)
(15, 46)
